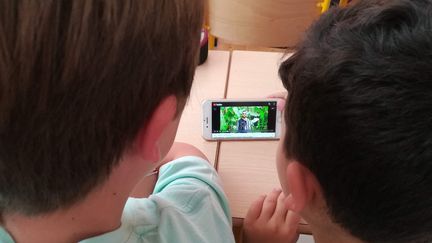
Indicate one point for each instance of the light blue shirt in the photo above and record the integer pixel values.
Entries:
(5, 237)
(188, 205)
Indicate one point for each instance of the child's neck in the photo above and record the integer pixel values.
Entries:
(54, 228)
(98, 213)
(332, 234)
(329, 238)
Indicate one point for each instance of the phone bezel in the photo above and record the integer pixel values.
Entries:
(207, 119)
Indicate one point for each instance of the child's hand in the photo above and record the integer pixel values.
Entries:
(268, 220)
(281, 99)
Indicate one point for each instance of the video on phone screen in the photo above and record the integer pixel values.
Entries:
(244, 119)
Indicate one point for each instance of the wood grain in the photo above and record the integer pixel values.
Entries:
(209, 82)
(247, 168)
(270, 23)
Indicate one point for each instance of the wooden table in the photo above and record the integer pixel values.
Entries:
(247, 168)
(209, 82)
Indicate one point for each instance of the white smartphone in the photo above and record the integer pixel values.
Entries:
(241, 119)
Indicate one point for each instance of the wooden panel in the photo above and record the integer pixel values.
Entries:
(248, 168)
(254, 74)
(271, 23)
(209, 82)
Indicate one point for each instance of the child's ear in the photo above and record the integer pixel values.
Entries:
(147, 140)
(302, 185)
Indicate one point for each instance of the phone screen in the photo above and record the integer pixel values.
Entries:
(245, 119)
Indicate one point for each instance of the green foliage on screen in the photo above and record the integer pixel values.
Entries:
(229, 117)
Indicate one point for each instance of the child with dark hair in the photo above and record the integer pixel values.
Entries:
(91, 93)
(356, 158)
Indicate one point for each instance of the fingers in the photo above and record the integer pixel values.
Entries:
(269, 220)
(270, 203)
(255, 209)
(272, 207)
(289, 202)
(280, 213)
(292, 220)
(279, 95)
(281, 104)
(281, 99)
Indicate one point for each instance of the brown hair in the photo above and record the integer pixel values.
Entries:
(78, 79)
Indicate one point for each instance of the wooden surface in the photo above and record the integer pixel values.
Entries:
(271, 23)
(209, 82)
(254, 74)
(248, 168)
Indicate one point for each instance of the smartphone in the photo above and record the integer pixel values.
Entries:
(234, 119)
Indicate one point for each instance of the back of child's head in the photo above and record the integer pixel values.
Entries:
(359, 116)
(78, 80)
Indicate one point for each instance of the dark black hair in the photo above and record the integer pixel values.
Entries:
(359, 116)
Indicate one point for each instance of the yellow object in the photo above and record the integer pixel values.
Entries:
(324, 5)
(211, 41)
(343, 3)
(211, 38)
